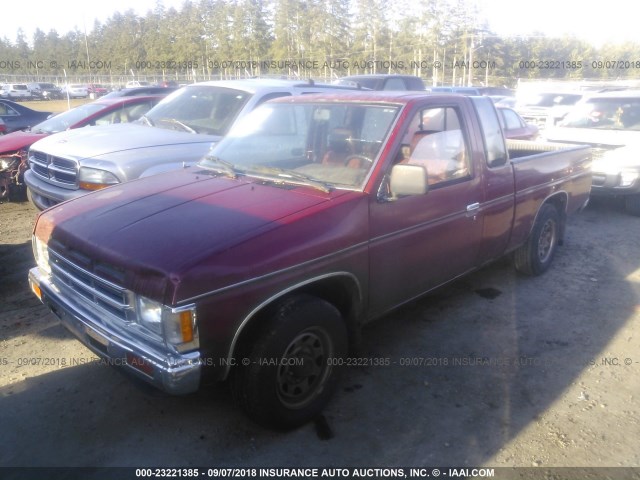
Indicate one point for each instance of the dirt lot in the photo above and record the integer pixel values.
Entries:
(514, 371)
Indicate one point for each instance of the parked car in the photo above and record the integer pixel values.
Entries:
(130, 92)
(500, 101)
(315, 215)
(138, 83)
(44, 91)
(496, 91)
(179, 131)
(536, 107)
(15, 91)
(3, 127)
(460, 90)
(96, 91)
(610, 123)
(19, 117)
(76, 90)
(514, 126)
(168, 84)
(101, 112)
(383, 82)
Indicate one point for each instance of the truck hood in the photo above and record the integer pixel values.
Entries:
(15, 141)
(613, 149)
(171, 235)
(92, 142)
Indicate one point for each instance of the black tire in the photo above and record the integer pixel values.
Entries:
(535, 256)
(632, 204)
(305, 330)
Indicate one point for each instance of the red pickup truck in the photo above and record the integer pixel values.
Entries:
(313, 216)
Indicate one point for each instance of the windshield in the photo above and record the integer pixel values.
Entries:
(605, 114)
(66, 119)
(203, 109)
(334, 144)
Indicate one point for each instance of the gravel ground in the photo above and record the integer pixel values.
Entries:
(506, 371)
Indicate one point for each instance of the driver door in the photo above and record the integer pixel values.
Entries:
(421, 241)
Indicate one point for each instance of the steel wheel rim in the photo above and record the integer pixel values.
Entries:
(304, 368)
(546, 241)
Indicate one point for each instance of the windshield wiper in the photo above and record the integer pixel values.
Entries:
(219, 165)
(147, 120)
(288, 176)
(179, 123)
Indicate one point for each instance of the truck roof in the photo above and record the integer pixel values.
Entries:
(254, 85)
(381, 96)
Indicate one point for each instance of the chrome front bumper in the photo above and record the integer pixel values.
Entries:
(171, 372)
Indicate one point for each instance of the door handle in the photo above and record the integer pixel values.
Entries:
(473, 206)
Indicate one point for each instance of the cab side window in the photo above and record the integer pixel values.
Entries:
(436, 141)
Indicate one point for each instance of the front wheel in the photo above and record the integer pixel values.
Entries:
(286, 371)
(535, 256)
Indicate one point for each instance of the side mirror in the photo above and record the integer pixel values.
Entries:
(408, 180)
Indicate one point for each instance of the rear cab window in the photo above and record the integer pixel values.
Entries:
(494, 144)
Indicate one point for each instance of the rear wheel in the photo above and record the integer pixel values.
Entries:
(286, 370)
(535, 256)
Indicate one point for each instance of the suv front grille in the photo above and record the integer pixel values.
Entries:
(57, 170)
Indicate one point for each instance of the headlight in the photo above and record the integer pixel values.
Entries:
(177, 326)
(41, 254)
(150, 315)
(95, 179)
(628, 177)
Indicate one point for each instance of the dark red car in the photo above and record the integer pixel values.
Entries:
(96, 91)
(101, 112)
(514, 126)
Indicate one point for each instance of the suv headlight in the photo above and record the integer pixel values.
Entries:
(95, 179)
(176, 325)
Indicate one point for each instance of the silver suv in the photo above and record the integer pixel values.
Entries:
(177, 132)
(610, 123)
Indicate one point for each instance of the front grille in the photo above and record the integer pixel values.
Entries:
(109, 296)
(58, 170)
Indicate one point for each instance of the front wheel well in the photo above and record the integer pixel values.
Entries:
(341, 290)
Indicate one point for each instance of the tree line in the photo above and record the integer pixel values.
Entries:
(442, 41)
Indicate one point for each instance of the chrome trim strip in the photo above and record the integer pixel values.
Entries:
(272, 274)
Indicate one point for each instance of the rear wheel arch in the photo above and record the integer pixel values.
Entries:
(534, 257)
(560, 201)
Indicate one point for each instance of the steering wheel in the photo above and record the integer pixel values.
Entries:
(360, 158)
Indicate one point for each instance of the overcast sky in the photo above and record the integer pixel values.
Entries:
(598, 22)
